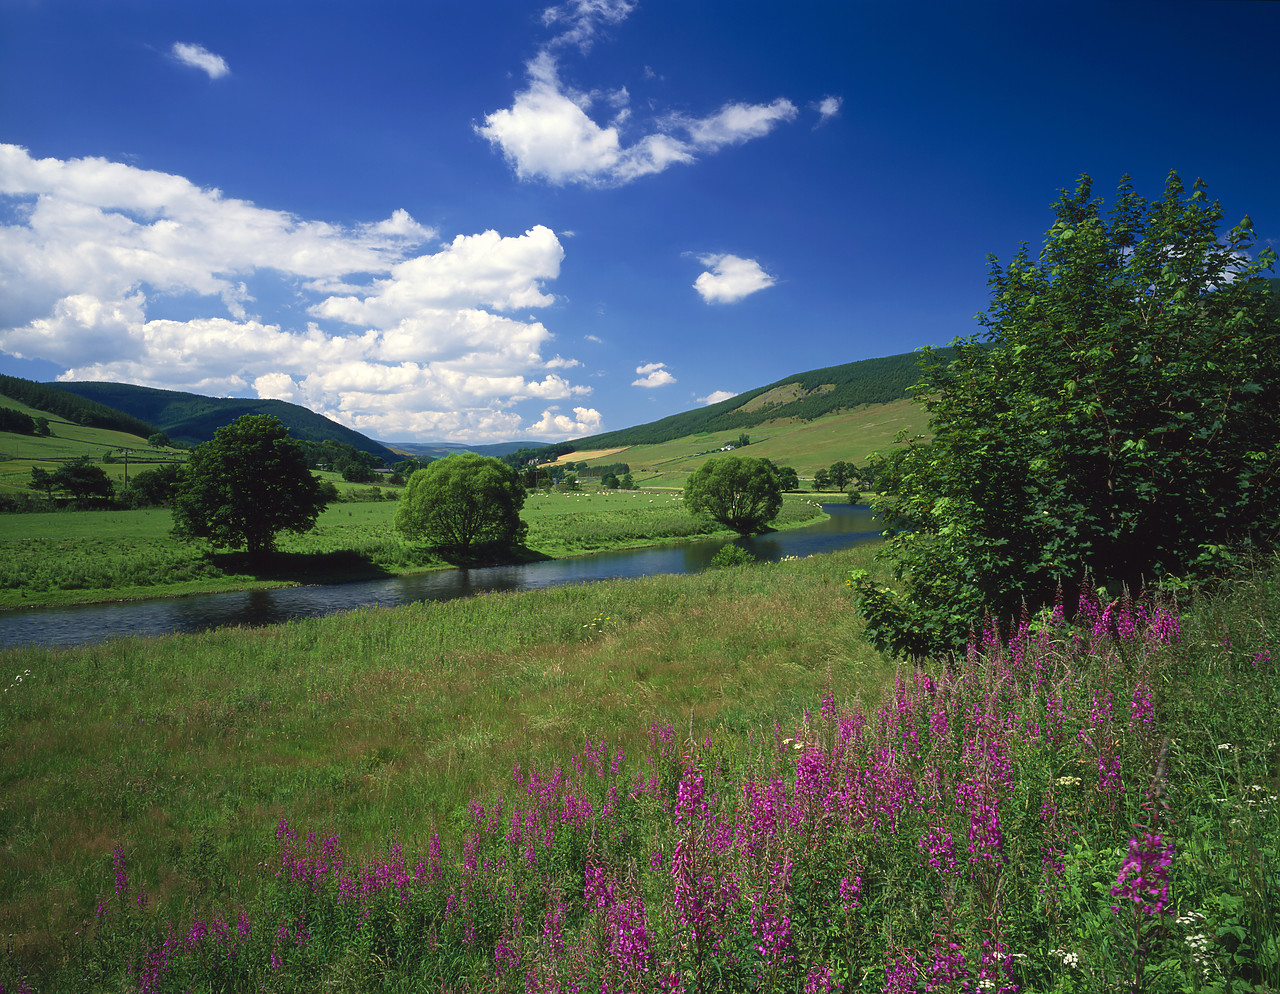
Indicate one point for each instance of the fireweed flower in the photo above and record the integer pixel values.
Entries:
(1144, 875)
(851, 893)
(941, 851)
(901, 975)
(946, 972)
(122, 878)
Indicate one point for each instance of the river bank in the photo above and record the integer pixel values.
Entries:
(99, 557)
(845, 525)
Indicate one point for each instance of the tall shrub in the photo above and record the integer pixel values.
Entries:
(1119, 416)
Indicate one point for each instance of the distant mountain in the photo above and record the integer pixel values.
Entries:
(192, 418)
(438, 450)
(803, 396)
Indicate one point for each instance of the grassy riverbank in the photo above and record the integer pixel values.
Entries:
(187, 750)
(84, 556)
(403, 800)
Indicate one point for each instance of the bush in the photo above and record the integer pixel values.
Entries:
(1119, 418)
(730, 556)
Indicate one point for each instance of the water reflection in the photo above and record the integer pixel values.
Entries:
(848, 525)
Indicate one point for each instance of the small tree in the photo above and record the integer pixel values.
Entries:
(160, 440)
(788, 478)
(246, 485)
(743, 440)
(1119, 419)
(83, 480)
(154, 487)
(841, 473)
(42, 481)
(463, 501)
(821, 480)
(627, 483)
(740, 492)
(609, 481)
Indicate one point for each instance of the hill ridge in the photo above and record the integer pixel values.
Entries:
(803, 396)
(192, 418)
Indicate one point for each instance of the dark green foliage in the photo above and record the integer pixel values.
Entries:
(821, 479)
(16, 422)
(247, 484)
(730, 556)
(80, 479)
(192, 418)
(357, 472)
(42, 481)
(609, 481)
(156, 487)
(462, 502)
(159, 440)
(1126, 425)
(788, 478)
(740, 492)
(841, 473)
(67, 403)
(537, 454)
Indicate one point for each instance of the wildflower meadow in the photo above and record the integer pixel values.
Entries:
(1085, 803)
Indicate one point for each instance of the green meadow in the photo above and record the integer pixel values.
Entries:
(696, 783)
(69, 557)
(187, 750)
(806, 446)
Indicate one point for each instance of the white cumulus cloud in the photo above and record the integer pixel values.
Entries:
(548, 133)
(199, 57)
(403, 341)
(730, 279)
(716, 396)
(585, 421)
(653, 374)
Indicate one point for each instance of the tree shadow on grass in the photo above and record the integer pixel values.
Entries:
(344, 566)
(499, 555)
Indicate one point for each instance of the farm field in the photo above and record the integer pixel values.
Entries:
(70, 557)
(804, 445)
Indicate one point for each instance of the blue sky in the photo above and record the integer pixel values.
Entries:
(483, 221)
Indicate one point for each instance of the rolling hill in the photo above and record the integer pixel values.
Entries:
(800, 396)
(192, 418)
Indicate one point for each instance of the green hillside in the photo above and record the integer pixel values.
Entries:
(803, 396)
(192, 418)
(805, 446)
(53, 400)
(20, 453)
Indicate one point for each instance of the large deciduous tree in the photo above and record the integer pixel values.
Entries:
(740, 492)
(462, 502)
(1118, 420)
(246, 485)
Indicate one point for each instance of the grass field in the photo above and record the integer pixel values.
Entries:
(186, 751)
(676, 783)
(806, 446)
(71, 557)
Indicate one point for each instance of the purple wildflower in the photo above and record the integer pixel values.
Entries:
(1144, 875)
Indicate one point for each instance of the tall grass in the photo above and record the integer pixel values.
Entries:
(187, 750)
(675, 784)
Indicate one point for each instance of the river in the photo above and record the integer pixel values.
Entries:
(848, 525)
